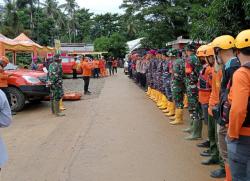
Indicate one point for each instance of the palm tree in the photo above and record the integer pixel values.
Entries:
(12, 23)
(70, 7)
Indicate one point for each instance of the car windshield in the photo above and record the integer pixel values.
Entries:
(65, 60)
(11, 66)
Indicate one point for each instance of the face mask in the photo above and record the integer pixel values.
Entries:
(218, 60)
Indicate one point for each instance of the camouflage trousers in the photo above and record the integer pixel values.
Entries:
(168, 90)
(194, 106)
(178, 90)
(56, 94)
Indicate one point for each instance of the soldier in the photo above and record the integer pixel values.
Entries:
(165, 77)
(192, 71)
(164, 102)
(56, 85)
(159, 78)
(171, 106)
(178, 89)
(152, 69)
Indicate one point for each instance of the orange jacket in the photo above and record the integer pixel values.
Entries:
(96, 64)
(101, 64)
(115, 63)
(87, 69)
(3, 80)
(239, 94)
(215, 94)
(204, 96)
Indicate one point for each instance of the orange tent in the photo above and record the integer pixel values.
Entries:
(22, 43)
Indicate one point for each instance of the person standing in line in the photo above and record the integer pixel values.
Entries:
(238, 135)
(178, 89)
(87, 68)
(114, 66)
(5, 121)
(192, 71)
(226, 58)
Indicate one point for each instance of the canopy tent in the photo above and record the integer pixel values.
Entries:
(22, 43)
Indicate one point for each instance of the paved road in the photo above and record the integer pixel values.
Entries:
(118, 135)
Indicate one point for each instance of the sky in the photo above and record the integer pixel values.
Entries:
(98, 6)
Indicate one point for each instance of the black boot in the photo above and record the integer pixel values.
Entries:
(220, 173)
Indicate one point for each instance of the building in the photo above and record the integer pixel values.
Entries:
(180, 43)
(76, 47)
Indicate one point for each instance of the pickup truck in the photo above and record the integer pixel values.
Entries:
(25, 86)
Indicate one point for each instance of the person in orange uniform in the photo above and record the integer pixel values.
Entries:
(238, 137)
(4, 61)
(214, 100)
(204, 87)
(102, 67)
(87, 67)
(114, 66)
(225, 57)
(96, 64)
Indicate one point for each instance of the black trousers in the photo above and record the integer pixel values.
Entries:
(110, 70)
(74, 74)
(96, 72)
(86, 83)
(143, 80)
(6, 92)
(114, 70)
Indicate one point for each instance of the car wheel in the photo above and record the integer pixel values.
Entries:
(17, 99)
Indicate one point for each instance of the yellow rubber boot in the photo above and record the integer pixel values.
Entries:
(164, 103)
(159, 102)
(156, 96)
(185, 102)
(61, 107)
(178, 117)
(171, 109)
(152, 96)
(167, 109)
(148, 92)
(174, 116)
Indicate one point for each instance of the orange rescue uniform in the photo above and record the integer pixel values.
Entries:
(204, 96)
(87, 69)
(96, 64)
(215, 94)
(239, 94)
(3, 79)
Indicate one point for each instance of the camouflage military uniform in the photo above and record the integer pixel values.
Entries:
(149, 74)
(154, 73)
(168, 80)
(55, 78)
(178, 83)
(164, 76)
(159, 76)
(192, 69)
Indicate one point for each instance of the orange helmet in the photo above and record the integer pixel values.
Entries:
(200, 51)
(209, 51)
